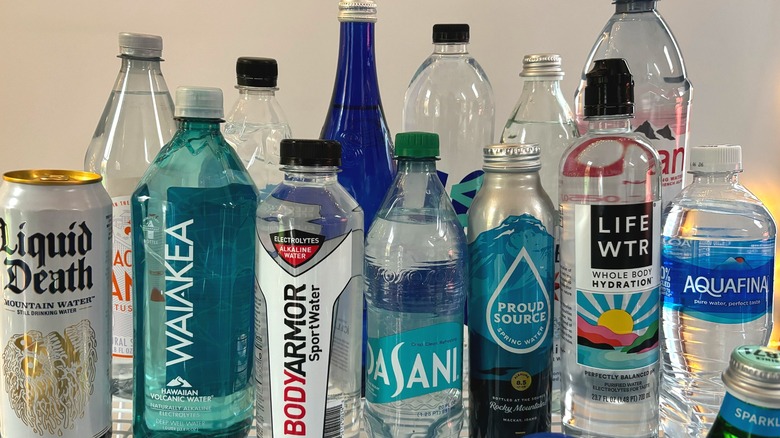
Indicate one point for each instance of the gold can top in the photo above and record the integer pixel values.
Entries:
(52, 177)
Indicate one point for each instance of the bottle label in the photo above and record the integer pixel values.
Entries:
(512, 270)
(307, 341)
(462, 193)
(122, 280)
(414, 363)
(754, 420)
(668, 137)
(718, 281)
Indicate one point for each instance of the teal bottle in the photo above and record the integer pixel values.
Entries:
(193, 218)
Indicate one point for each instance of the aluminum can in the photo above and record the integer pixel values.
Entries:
(55, 325)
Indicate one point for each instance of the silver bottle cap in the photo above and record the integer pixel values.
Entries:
(542, 65)
(754, 373)
(140, 45)
(357, 10)
(519, 156)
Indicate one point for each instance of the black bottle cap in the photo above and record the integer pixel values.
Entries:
(256, 72)
(450, 33)
(610, 89)
(295, 152)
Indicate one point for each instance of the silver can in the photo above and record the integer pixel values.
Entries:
(55, 325)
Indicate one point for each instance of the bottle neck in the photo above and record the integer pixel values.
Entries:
(636, 6)
(311, 174)
(194, 124)
(724, 178)
(601, 125)
(140, 74)
(246, 92)
(356, 75)
(416, 165)
(450, 48)
(511, 178)
(541, 86)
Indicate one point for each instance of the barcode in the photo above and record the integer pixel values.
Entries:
(334, 420)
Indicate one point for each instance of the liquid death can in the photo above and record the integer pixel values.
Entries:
(55, 328)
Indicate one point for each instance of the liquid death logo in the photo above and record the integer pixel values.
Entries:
(297, 247)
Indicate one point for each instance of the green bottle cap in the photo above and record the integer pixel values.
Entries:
(416, 145)
(754, 371)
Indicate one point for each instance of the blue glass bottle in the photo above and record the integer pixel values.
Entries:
(193, 215)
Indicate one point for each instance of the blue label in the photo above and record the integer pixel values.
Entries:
(463, 193)
(723, 282)
(749, 418)
(414, 363)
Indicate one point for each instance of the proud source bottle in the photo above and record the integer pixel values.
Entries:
(662, 91)
(451, 95)
(310, 300)
(416, 279)
(193, 260)
(610, 267)
(718, 259)
(512, 263)
(256, 125)
(542, 116)
(136, 123)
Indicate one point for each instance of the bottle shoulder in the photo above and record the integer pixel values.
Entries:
(303, 204)
(453, 75)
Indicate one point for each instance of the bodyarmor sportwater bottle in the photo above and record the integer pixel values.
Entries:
(610, 267)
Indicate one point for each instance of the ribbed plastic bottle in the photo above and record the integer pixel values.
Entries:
(256, 125)
(542, 116)
(638, 33)
(416, 274)
(450, 95)
(718, 259)
(194, 270)
(136, 123)
(610, 189)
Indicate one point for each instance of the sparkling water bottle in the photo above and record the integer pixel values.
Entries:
(256, 125)
(638, 33)
(193, 264)
(416, 279)
(610, 189)
(718, 258)
(450, 95)
(136, 123)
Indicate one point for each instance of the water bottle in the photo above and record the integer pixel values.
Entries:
(610, 188)
(194, 265)
(542, 116)
(416, 279)
(451, 95)
(256, 125)
(638, 33)
(718, 258)
(136, 123)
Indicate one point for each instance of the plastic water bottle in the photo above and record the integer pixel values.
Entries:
(638, 33)
(451, 95)
(416, 279)
(610, 188)
(542, 116)
(256, 125)
(136, 123)
(194, 265)
(718, 263)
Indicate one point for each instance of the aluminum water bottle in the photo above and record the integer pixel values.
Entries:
(310, 300)
(718, 259)
(610, 188)
(512, 265)
(194, 270)
(638, 33)
(542, 116)
(136, 123)
(256, 125)
(451, 95)
(416, 278)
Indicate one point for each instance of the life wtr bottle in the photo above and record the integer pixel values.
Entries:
(512, 262)
(718, 259)
(416, 280)
(193, 264)
(638, 33)
(610, 257)
(136, 123)
(310, 300)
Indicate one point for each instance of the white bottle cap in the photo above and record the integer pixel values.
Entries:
(140, 45)
(715, 158)
(199, 103)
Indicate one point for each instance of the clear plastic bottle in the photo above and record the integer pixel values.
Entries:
(451, 95)
(610, 188)
(718, 263)
(542, 116)
(136, 123)
(638, 33)
(194, 264)
(416, 275)
(256, 125)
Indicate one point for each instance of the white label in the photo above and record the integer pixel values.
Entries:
(122, 280)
